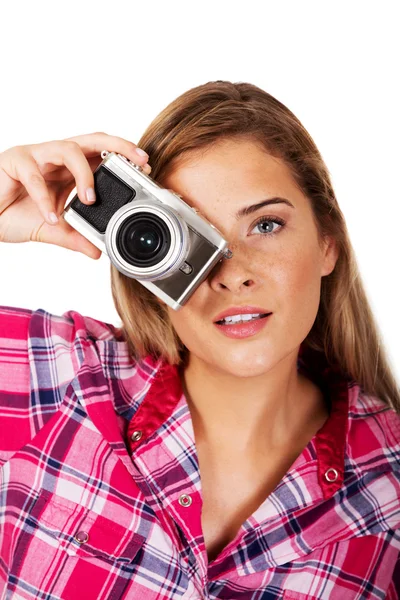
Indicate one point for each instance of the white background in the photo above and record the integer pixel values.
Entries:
(79, 67)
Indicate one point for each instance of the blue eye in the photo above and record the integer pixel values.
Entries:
(269, 220)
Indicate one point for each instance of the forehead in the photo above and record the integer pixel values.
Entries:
(233, 172)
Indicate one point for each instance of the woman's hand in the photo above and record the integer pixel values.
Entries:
(36, 179)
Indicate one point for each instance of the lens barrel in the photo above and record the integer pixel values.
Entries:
(147, 240)
(143, 239)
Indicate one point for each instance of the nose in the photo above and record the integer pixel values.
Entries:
(232, 274)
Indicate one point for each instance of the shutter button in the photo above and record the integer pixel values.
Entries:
(81, 537)
(136, 435)
(185, 500)
(331, 475)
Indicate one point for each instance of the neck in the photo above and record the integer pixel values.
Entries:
(246, 414)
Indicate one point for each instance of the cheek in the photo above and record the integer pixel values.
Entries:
(290, 270)
(301, 284)
(192, 331)
(185, 320)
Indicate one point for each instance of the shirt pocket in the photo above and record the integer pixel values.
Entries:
(80, 532)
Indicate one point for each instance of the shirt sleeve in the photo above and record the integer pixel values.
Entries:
(14, 380)
(40, 354)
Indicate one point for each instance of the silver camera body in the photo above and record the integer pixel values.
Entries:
(148, 232)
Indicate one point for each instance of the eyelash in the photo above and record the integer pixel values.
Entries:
(280, 222)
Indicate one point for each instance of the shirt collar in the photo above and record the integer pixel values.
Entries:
(145, 394)
(165, 395)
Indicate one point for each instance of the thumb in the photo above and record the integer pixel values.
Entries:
(62, 234)
(79, 243)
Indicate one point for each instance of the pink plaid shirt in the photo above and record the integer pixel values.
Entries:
(100, 492)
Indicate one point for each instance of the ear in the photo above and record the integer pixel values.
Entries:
(330, 253)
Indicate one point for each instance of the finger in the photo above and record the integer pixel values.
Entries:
(147, 169)
(67, 237)
(68, 153)
(77, 242)
(94, 163)
(24, 168)
(94, 143)
(62, 194)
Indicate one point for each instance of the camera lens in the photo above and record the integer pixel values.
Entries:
(143, 239)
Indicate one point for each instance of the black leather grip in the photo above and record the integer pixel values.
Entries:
(111, 194)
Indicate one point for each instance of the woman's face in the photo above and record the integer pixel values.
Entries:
(280, 272)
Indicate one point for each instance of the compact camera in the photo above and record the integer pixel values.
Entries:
(148, 232)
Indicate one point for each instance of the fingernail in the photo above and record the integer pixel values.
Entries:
(53, 218)
(90, 195)
(141, 152)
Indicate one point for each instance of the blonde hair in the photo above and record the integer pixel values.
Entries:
(345, 330)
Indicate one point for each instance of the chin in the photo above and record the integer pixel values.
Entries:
(246, 371)
(243, 366)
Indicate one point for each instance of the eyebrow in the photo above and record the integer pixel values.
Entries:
(249, 210)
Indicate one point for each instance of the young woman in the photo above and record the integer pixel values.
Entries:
(181, 455)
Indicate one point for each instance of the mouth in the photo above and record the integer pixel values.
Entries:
(244, 319)
(243, 328)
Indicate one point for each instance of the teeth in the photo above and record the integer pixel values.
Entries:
(240, 318)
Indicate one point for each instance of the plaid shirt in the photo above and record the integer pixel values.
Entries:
(100, 494)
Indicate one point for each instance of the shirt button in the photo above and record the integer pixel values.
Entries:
(331, 475)
(185, 500)
(81, 537)
(136, 435)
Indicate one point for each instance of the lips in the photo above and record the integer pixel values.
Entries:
(225, 322)
(243, 330)
(241, 310)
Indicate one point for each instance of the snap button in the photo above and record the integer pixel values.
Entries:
(185, 500)
(331, 475)
(81, 537)
(136, 435)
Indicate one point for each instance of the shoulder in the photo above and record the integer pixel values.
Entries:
(25, 324)
(372, 461)
(43, 338)
(14, 327)
(42, 353)
(373, 432)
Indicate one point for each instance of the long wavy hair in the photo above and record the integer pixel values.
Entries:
(345, 329)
